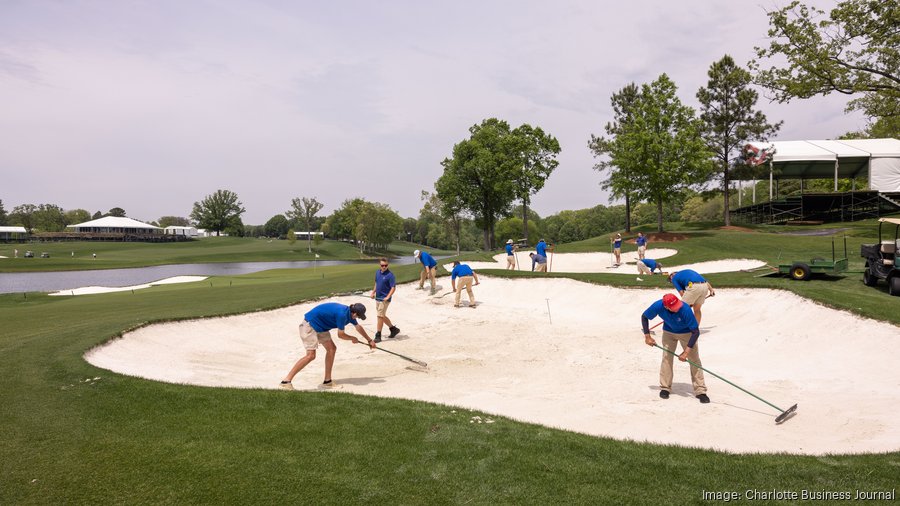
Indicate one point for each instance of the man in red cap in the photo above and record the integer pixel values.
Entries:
(679, 326)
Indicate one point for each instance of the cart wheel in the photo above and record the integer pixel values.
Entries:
(800, 271)
(868, 278)
(894, 286)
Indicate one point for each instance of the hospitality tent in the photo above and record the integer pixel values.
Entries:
(13, 233)
(878, 159)
(116, 225)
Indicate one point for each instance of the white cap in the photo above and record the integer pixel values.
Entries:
(416, 253)
(509, 241)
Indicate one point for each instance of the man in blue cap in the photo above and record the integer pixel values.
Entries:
(466, 275)
(679, 326)
(428, 266)
(316, 330)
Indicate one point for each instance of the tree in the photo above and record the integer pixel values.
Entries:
(118, 212)
(729, 117)
(23, 215)
(97, 215)
(305, 209)
(49, 218)
(661, 145)
(481, 174)
(220, 211)
(371, 225)
(620, 184)
(537, 152)
(3, 215)
(76, 216)
(277, 226)
(854, 52)
(173, 221)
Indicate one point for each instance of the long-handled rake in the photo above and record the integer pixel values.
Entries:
(785, 413)
(404, 357)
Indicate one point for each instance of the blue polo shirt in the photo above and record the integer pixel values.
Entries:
(679, 322)
(541, 248)
(384, 281)
(509, 250)
(682, 279)
(641, 240)
(330, 315)
(426, 259)
(460, 270)
(650, 263)
(617, 243)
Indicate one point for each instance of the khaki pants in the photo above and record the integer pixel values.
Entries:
(695, 293)
(642, 268)
(540, 267)
(465, 282)
(670, 342)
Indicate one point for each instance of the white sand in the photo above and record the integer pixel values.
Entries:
(89, 290)
(587, 371)
(603, 262)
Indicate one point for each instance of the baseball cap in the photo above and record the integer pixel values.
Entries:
(416, 253)
(509, 241)
(671, 302)
(359, 309)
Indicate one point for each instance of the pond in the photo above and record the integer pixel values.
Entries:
(19, 282)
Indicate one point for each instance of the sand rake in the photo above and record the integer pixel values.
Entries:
(404, 357)
(785, 413)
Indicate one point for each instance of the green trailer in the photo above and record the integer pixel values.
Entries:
(802, 270)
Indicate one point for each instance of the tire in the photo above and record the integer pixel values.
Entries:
(800, 271)
(894, 286)
(868, 278)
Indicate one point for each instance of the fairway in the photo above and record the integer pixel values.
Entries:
(570, 355)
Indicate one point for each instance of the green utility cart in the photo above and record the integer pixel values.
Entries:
(802, 270)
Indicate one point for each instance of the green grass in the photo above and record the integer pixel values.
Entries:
(129, 441)
(112, 255)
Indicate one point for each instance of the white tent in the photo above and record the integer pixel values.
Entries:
(879, 159)
(113, 224)
(10, 233)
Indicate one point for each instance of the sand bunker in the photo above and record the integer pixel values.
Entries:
(603, 262)
(89, 290)
(568, 354)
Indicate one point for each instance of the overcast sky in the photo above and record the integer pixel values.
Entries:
(152, 105)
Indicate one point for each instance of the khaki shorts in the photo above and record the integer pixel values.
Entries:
(695, 293)
(540, 267)
(311, 339)
(510, 260)
(642, 268)
(381, 307)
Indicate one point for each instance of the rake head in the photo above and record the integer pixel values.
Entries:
(787, 415)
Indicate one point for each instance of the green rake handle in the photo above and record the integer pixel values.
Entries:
(721, 378)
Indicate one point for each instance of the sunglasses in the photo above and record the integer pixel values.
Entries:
(384, 265)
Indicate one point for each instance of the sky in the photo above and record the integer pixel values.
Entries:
(152, 105)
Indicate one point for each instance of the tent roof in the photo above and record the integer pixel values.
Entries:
(114, 222)
(20, 230)
(816, 159)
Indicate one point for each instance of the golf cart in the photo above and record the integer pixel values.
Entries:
(881, 257)
(803, 270)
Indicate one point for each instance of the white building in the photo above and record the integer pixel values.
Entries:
(116, 225)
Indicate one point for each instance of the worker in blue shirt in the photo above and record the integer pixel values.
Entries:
(466, 275)
(617, 249)
(510, 255)
(693, 288)
(648, 265)
(316, 329)
(541, 248)
(385, 285)
(540, 261)
(641, 242)
(679, 326)
(428, 266)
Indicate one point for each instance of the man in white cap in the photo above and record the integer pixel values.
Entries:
(510, 255)
(316, 330)
(429, 264)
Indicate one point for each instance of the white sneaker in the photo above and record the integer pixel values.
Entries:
(639, 279)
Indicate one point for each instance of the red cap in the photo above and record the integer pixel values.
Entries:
(672, 302)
